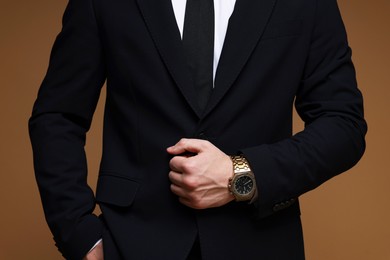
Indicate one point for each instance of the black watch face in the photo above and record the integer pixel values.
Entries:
(243, 185)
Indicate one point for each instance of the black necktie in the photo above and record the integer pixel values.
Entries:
(198, 41)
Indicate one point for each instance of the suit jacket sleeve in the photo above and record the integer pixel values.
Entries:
(61, 117)
(332, 108)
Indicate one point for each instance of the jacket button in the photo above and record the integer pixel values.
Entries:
(277, 207)
(283, 205)
(202, 135)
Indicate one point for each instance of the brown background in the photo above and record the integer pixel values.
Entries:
(347, 218)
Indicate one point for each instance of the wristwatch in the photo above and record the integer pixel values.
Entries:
(242, 184)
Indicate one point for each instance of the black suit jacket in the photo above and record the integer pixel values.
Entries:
(276, 52)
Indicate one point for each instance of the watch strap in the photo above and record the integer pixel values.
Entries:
(240, 164)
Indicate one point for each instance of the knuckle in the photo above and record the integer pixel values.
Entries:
(172, 176)
(189, 166)
(191, 182)
(182, 141)
(172, 163)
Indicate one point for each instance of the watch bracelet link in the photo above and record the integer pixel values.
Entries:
(240, 164)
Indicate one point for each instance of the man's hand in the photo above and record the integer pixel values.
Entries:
(201, 180)
(96, 253)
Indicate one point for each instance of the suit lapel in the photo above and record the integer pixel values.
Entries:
(160, 20)
(246, 26)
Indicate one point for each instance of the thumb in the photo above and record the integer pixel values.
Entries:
(193, 146)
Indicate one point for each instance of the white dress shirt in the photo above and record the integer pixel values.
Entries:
(223, 9)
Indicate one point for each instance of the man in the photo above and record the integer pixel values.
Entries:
(199, 161)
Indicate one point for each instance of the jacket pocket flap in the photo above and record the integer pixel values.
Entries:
(116, 190)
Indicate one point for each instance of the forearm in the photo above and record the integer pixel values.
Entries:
(61, 174)
(287, 169)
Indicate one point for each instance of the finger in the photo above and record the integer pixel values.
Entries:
(187, 145)
(176, 178)
(178, 148)
(191, 204)
(179, 191)
(176, 163)
(185, 202)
